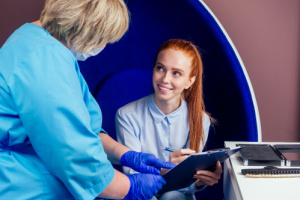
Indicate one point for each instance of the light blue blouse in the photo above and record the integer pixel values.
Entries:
(49, 122)
(141, 126)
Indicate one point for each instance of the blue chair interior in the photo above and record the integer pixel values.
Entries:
(123, 71)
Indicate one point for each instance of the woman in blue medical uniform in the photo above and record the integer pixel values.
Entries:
(50, 123)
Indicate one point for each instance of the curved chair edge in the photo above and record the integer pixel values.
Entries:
(258, 123)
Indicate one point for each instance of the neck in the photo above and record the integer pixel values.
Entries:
(38, 23)
(167, 107)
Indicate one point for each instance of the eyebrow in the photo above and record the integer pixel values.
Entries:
(173, 69)
(158, 63)
(177, 69)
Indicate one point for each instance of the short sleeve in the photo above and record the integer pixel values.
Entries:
(48, 95)
(92, 106)
(126, 135)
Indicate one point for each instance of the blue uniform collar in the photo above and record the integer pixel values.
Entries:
(159, 116)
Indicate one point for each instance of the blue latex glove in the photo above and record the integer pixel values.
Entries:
(144, 162)
(144, 186)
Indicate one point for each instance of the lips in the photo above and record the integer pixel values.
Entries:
(164, 88)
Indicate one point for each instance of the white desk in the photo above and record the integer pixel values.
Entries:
(238, 187)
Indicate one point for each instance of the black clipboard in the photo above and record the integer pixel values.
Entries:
(181, 176)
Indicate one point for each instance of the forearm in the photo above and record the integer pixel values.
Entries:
(112, 148)
(118, 188)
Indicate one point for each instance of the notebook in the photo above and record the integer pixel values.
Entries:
(272, 172)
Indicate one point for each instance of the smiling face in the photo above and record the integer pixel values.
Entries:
(171, 75)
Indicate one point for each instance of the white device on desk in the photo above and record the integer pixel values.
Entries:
(238, 186)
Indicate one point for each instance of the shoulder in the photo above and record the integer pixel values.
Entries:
(32, 50)
(32, 42)
(134, 108)
(30, 36)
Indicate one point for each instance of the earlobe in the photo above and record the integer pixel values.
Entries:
(192, 80)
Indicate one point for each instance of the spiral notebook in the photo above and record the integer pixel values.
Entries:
(272, 172)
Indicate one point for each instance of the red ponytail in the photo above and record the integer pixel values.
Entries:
(192, 95)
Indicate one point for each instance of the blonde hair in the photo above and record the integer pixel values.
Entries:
(192, 95)
(85, 25)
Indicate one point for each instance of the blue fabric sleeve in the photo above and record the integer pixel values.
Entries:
(126, 136)
(92, 106)
(47, 92)
(192, 189)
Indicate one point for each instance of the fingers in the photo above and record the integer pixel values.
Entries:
(178, 156)
(208, 177)
(218, 168)
(182, 152)
(155, 162)
(144, 186)
(168, 165)
(205, 180)
(150, 170)
(177, 159)
(161, 164)
(209, 174)
(151, 164)
(161, 180)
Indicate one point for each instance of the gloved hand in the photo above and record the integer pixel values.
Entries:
(144, 186)
(144, 162)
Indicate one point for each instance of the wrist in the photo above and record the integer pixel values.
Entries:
(124, 158)
(130, 192)
(199, 184)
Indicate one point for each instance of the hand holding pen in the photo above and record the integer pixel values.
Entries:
(204, 177)
(177, 156)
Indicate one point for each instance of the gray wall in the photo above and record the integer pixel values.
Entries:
(265, 32)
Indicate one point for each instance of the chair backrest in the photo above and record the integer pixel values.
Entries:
(123, 71)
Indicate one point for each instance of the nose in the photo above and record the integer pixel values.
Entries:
(166, 78)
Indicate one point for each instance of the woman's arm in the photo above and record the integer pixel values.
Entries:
(112, 148)
(141, 162)
(118, 187)
(135, 186)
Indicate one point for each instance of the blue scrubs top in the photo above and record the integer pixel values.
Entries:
(49, 122)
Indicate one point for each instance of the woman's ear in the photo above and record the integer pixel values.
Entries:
(192, 80)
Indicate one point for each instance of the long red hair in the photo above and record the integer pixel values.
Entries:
(192, 95)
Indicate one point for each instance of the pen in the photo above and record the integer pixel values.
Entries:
(171, 150)
(167, 149)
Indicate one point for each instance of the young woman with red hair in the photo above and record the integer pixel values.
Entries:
(174, 116)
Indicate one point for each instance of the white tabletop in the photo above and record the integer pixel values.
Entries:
(246, 188)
